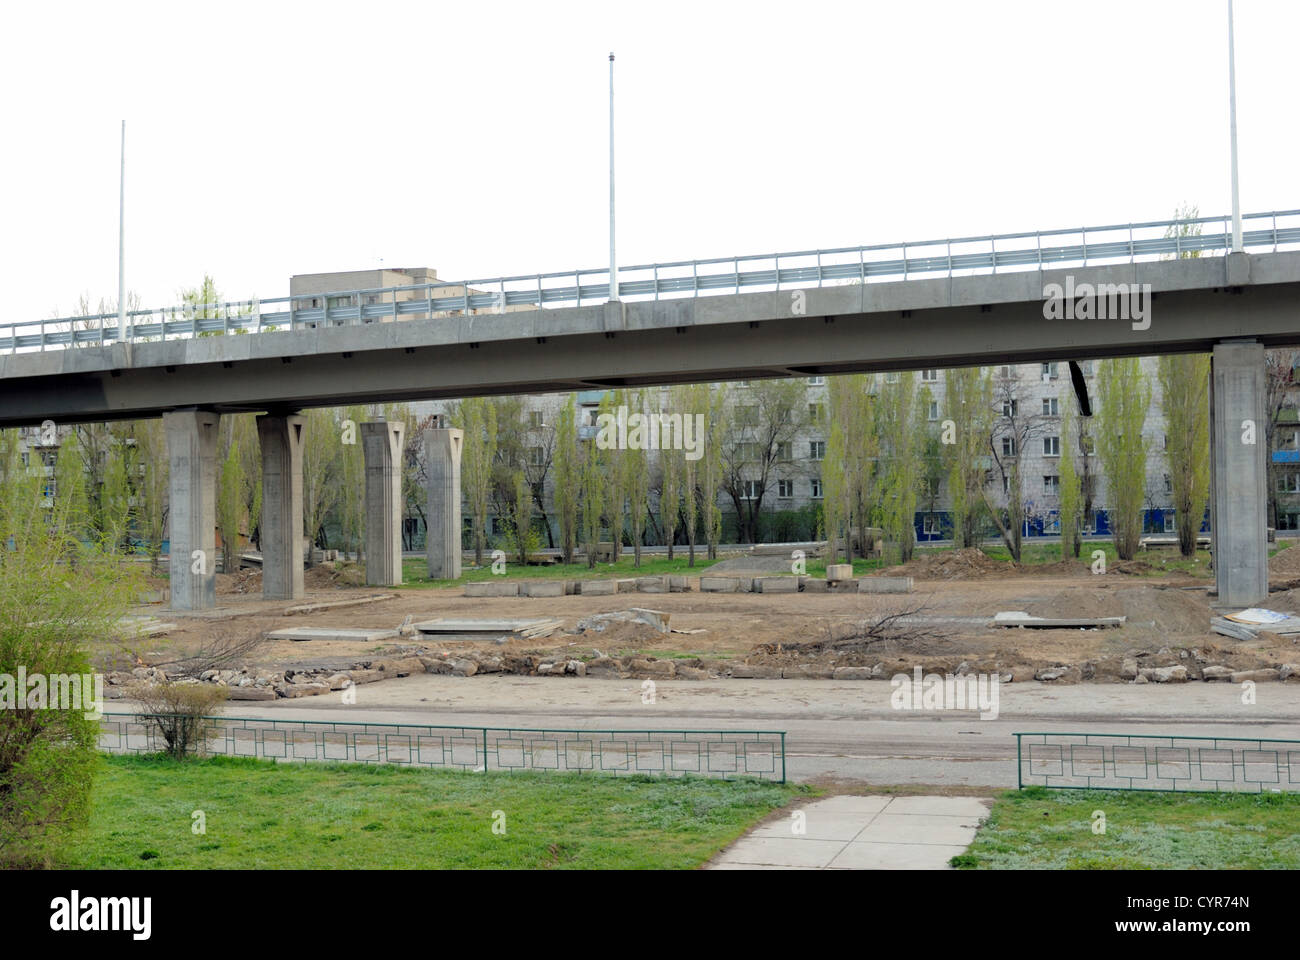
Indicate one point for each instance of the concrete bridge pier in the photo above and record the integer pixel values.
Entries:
(1239, 473)
(383, 445)
(192, 453)
(281, 524)
(443, 537)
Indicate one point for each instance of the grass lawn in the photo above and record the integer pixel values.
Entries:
(1161, 561)
(415, 570)
(260, 814)
(1053, 829)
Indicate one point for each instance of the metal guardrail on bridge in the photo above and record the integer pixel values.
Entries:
(960, 256)
(1117, 761)
(718, 754)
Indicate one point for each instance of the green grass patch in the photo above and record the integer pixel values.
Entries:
(1161, 561)
(415, 571)
(1053, 829)
(263, 815)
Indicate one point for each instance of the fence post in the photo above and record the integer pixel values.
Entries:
(783, 756)
(1020, 783)
(485, 753)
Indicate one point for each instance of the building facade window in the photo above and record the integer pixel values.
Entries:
(817, 449)
(1051, 446)
(816, 489)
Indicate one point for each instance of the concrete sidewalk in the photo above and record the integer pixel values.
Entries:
(860, 833)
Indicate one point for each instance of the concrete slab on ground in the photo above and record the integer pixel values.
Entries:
(861, 833)
(331, 633)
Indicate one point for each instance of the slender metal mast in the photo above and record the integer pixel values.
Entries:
(613, 266)
(122, 330)
(1232, 120)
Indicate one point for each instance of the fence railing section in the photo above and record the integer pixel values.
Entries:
(1148, 762)
(723, 754)
(959, 256)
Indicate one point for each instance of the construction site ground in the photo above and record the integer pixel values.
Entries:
(955, 596)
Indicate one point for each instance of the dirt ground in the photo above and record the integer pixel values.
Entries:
(955, 595)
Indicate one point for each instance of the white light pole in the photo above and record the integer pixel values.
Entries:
(122, 331)
(1232, 120)
(613, 267)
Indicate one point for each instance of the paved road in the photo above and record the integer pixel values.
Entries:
(836, 730)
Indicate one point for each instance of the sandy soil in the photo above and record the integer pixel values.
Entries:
(955, 594)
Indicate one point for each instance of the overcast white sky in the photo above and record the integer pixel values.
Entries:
(272, 138)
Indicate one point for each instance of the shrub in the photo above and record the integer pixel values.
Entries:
(180, 712)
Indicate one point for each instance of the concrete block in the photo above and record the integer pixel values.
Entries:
(492, 588)
(625, 585)
(651, 585)
(678, 584)
(776, 585)
(839, 571)
(597, 588)
(719, 584)
(749, 671)
(543, 588)
(885, 585)
(813, 585)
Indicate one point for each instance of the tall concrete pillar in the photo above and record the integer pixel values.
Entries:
(281, 524)
(1239, 473)
(192, 513)
(442, 450)
(382, 444)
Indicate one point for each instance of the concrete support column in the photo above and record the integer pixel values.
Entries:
(192, 514)
(281, 525)
(382, 444)
(1239, 473)
(442, 538)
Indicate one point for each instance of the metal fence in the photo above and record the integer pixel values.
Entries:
(1117, 761)
(949, 257)
(720, 754)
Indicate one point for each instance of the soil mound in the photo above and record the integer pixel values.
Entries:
(967, 563)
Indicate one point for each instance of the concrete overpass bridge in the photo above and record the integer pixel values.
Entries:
(1009, 298)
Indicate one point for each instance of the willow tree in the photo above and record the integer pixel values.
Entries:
(1125, 396)
(672, 465)
(61, 594)
(968, 420)
(477, 417)
(1185, 403)
(568, 476)
(690, 400)
(901, 417)
(711, 465)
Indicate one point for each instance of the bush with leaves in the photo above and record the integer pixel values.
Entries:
(180, 711)
(61, 591)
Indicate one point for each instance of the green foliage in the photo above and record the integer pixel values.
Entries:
(477, 417)
(61, 588)
(1125, 397)
(568, 477)
(970, 408)
(180, 712)
(1184, 400)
